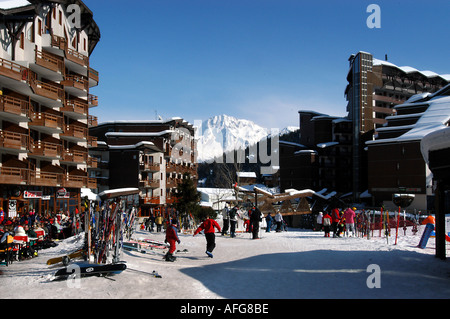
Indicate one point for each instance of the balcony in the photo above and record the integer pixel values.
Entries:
(92, 162)
(77, 57)
(13, 70)
(48, 65)
(42, 178)
(75, 133)
(150, 183)
(74, 156)
(151, 200)
(14, 141)
(92, 120)
(47, 122)
(92, 141)
(46, 149)
(47, 90)
(14, 109)
(75, 84)
(92, 100)
(75, 108)
(152, 167)
(76, 181)
(93, 77)
(16, 176)
(92, 183)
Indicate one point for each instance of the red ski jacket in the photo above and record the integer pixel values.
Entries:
(171, 233)
(208, 225)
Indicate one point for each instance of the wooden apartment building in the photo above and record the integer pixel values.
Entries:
(45, 101)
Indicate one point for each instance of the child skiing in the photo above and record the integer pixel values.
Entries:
(172, 238)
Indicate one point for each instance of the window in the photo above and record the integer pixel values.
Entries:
(22, 43)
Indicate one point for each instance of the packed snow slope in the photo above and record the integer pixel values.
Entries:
(293, 264)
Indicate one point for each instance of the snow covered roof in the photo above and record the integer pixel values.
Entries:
(436, 117)
(246, 174)
(11, 4)
(436, 140)
(148, 134)
(143, 144)
(324, 145)
(409, 70)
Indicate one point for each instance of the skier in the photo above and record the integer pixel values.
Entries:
(208, 226)
(255, 218)
(335, 217)
(278, 220)
(233, 220)
(326, 224)
(268, 222)
(172, 238)
(319, 221)
(226, 220)
(349, 216)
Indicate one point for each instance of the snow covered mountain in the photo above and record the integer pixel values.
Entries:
(223, 133)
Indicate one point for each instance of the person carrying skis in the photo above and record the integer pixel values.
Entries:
(172, 239)
(208, 226)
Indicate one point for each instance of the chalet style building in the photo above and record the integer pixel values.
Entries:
(153, 156)
(45, 101)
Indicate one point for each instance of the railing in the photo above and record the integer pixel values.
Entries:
(13, 105)
(41, 178)
(47, 90)
(151, 200)
(46, 120)
(92, 162)
(150, 183)
(47, 149)
(75, 106)
(155, 167)
(93, 100)
(11, 175)
(14, 140)
(77, 57)
(92, 120)
(74, 156)
(59, 42)
(75, 81)
(93, 74)
(49, 61)
(92, 141)
(75, 131)
(13, 70)
(75, 181)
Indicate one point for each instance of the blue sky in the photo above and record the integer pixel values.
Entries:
(262, 60)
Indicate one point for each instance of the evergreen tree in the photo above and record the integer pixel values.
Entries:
(188, 198)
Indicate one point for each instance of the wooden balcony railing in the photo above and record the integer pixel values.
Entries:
(46, 120)
(92, 100)
(92, 141)
(153, 167)
(14, 140)
(75, 131)
(51, 91)
(59, 42)
(11, 175)
(40, 148)
(75, 181)
(150, 183)
(49, 61)
(93, 74)
(41, 178)
(77, 82)
(77, 57)
(75, 106)
(9, 104)
(151, 200)
(75, 156)
(92, 120)
(13, 70)
(92, 183)
(92, 162)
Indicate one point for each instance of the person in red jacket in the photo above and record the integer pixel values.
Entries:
(208, 226)
(335, 219)
(326, 220)
(172, 239)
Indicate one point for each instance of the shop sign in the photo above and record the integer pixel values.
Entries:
(62, 193)
(32, 194)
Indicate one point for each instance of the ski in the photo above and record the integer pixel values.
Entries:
(75, 254)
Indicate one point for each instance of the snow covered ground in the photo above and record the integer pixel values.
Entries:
(288, 265)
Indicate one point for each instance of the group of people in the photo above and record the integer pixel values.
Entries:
(339, 222)
(149, 223)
